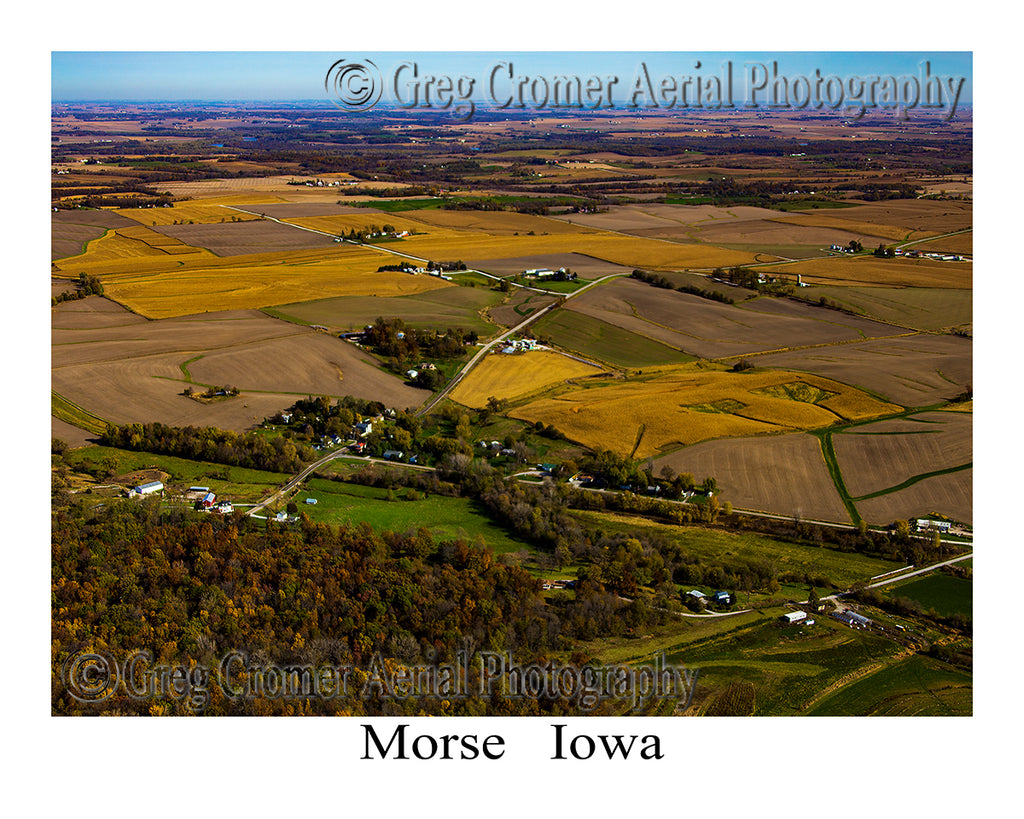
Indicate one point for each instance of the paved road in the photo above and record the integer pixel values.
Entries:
(483, 351)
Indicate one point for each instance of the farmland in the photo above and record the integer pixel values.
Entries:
(135, 372)
(432, 309)
(158, 286)
(919, 307)
(877, 456)
(913, 370)
(596, 339)
(512, 376)
(940, 592)
(767, 438)
(868, 270)
(668, 407)
(714, 330)
(782, 474)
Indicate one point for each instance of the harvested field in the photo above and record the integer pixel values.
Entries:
(85, 216)
(920, 215)
(293, 210)
(593, 338)
(633, 218)
(914, 371)
(511, 376)
(587, 266)
(950, 494)
(958, 243)
(92, 313)
(667, 407)
(848, 223)
(248, 237)
(764, 232)
(710, 329)
(137, 372)
(363, 219)
(780, 474)
(497, 223)
(71, 435)
(870, 270)
(157, 286)
(182, 212)
(130, 244)
(432, 310)
(918, 307)
(879, 456)
(520, 305)
(628, 251)
(70, 240)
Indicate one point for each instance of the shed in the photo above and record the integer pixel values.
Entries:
(148, 488)
(311, 501)
(794, 616)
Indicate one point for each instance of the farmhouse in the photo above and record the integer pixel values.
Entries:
(364, 428)
(722, 598)
(696, 595)
(793, 617)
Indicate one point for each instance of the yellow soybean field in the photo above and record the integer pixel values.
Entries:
(674, 406)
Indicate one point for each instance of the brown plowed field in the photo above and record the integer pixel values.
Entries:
(134, 372)
(780, 474)
(950, 495)
(877, 456)
(927, 215)
(69, 434)
(91, 313)
(869, 270)
(713, 330)
(242, 238)
(913, 371)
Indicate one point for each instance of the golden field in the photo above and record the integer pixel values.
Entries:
(509, 376)
(184, 212)
(161, 286)
(629, 251)
(870, 270)
(679, 405)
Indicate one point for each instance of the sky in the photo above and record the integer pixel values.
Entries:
(283, 76)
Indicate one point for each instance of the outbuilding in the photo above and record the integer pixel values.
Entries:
(794, 616)
(149, 488)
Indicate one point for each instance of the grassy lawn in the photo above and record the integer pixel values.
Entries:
(447, 518)
(943, 593)
(736, 548)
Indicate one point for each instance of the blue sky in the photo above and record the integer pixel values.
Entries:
(282, 76)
